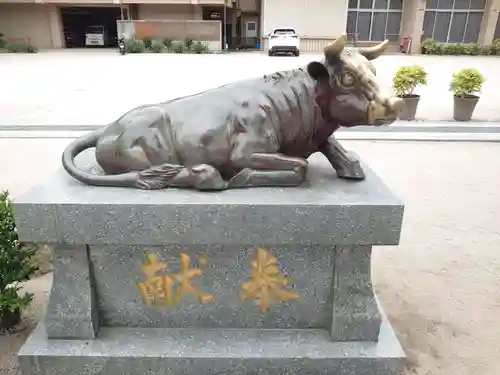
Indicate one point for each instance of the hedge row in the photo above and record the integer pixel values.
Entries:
(432, 47)
(165, 45)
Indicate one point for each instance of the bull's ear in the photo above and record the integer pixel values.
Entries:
(317, 71)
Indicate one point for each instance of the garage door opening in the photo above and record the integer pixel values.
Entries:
(80, 22)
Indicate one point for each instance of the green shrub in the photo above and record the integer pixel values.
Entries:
(16, 263)
(471, 49)
(188, 42)
(178, 47)
(134, 46)
(466, 82)
(495, 47)
(168, 43)
(148, 41)
(407, 78)
(21, 48)
(429, 47)
(486, 50)
(157, 46)
(199, 47)
(452, 49)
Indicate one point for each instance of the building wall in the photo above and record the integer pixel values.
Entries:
(312, 18)
(248, 5)
(317, 21)
(169, 12)
(20, 22)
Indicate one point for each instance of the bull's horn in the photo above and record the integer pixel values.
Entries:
(371, 53)
(336, 47)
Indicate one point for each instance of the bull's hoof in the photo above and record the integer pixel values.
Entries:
(352, 172)
(207, 177)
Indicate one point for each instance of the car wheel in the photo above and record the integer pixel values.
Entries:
(297, 53)
(269, 53)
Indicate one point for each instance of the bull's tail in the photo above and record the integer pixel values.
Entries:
(82, 144)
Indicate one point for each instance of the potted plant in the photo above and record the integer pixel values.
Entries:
(464, 84)
(406, 79)
(15, 266)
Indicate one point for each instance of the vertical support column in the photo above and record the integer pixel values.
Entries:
(412, 22)
(489, 22)
(197, 12)
(355, 312)
(56, 29)
(72, 309)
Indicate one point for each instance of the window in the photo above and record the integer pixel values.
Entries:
(374, 20)
(453, 21)
(497, 29)
(251, 26)
(283, 31)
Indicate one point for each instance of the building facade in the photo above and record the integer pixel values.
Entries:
(246, 23)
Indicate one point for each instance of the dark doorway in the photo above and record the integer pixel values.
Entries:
(77, 20)
(217, 14)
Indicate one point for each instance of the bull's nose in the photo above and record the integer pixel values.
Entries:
(396, 105)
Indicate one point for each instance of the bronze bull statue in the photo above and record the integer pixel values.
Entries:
(257, 132)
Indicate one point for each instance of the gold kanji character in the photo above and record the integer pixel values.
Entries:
(184, 278)
(266, 282)
(156, 290)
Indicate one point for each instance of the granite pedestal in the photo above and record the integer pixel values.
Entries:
(254, 281)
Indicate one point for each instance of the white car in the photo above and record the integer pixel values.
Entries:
(95, 36)
(284, 39)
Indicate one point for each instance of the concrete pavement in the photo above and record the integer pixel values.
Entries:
(95, 87)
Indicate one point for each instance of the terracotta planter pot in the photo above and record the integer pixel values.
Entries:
(410, 109)
(9, 319)
(463, 107)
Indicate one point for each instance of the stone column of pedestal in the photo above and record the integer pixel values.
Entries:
(72, 310)
(356, 316)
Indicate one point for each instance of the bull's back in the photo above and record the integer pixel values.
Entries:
(207, 125)
(196, 129)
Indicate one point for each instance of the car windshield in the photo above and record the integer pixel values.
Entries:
(95, 30)
(284, 32)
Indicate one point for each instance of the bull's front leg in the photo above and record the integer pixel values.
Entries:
(346, 166)
(273, 169)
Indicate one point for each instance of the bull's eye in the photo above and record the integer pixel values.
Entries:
(347, 79)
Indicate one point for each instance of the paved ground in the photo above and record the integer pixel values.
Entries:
(88, 87)
(439, 287)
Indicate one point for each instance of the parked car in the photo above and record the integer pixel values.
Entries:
(95, 36)
(284, 40)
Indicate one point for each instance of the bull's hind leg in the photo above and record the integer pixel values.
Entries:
(270, 170)
(201, 177)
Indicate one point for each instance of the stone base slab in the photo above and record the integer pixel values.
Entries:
(198, 351)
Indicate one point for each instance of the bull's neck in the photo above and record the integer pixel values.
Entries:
(299, 107)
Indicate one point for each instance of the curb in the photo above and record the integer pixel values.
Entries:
(399, 131)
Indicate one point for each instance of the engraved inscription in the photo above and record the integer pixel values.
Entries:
(160, 290)
(266, 283)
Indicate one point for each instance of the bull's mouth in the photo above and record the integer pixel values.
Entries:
(386, 113)
(384, 122)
